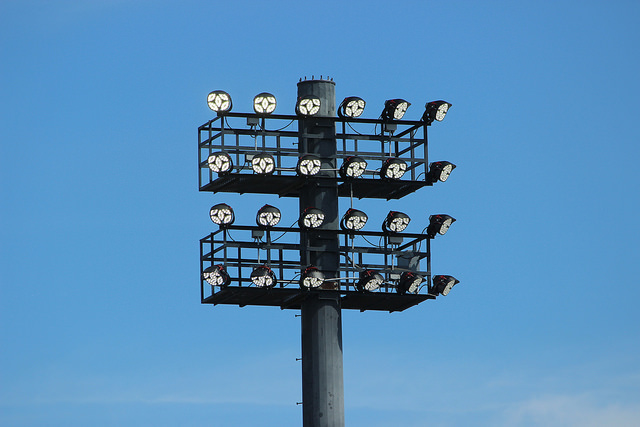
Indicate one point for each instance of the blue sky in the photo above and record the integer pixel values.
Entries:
(100, 320)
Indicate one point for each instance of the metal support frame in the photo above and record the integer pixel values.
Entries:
(365, 138)
(240, 255)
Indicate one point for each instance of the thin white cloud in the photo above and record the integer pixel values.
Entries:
(519, 396)
(570, 411)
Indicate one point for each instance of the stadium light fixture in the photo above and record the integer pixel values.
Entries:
(353, 167)
(439, 224)
(393, 168)
(311, 278)
(222, 214)
(395, 222)
(353, 220)
(219, 101)
(216, 275)
(308, 105)
(369, 280)
(311, 218)
(264, 103)
(351, 107)
(268, 216)
(263, 277)
(409, 283)
(440, 171)
(435, 110)
(220, 162)
(442, 284)
(394, 109)
(308, 165)
(263, 164)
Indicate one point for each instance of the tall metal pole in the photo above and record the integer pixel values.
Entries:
(322, 374)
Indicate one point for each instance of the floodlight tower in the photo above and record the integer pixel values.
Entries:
(320, 266)
(322, 375)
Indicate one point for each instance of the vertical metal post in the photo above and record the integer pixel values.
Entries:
(429, 287)
(322, 373)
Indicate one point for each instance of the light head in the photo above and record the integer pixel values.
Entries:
(220, 162)
(222, 214)
(263, 277)
(435, 110)
(263, 164)
(311, 218)
(216, 275)
(351, 107)
(311, 277)
(393, 168)
(440, 171)
(394, 109)
(442, 284)
(308, 165)
(308, 105)
(353, 167)
(439, 224)
(409, 283)
(219, 101)
(369, 280)
(268, 216)
(353, 220)
(395, 222)
(264, 103)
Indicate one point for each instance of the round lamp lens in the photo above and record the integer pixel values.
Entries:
(309, 106)
(219, 101)
(264, 103)
(220, 162)
(222, 214)
(309, 165)
(263, 164)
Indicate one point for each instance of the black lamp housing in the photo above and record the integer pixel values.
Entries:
(308, 105)
(370, 280)
(311, 277)
(394, 109)
(268, 216)
(219, 101)
(353, 220)
(435, 110)
(442, 284)
(264, 103)
(263, 164)
(263, 277)
(220, 162)
(440, 171)
(308, 165)
(395, 222)
(351, 107)
(393, 168)
(311, 218)
(222, 214)
(409, 283)
(439, 224)
(216, 275)
(353, 167)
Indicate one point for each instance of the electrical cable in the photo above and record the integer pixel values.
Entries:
(349, 124)
(278, 130)
(372, 244)
(276, 239)
(422, 232)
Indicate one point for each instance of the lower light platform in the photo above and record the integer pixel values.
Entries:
(293, 298)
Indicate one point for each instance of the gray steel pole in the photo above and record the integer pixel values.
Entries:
(322, 374)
